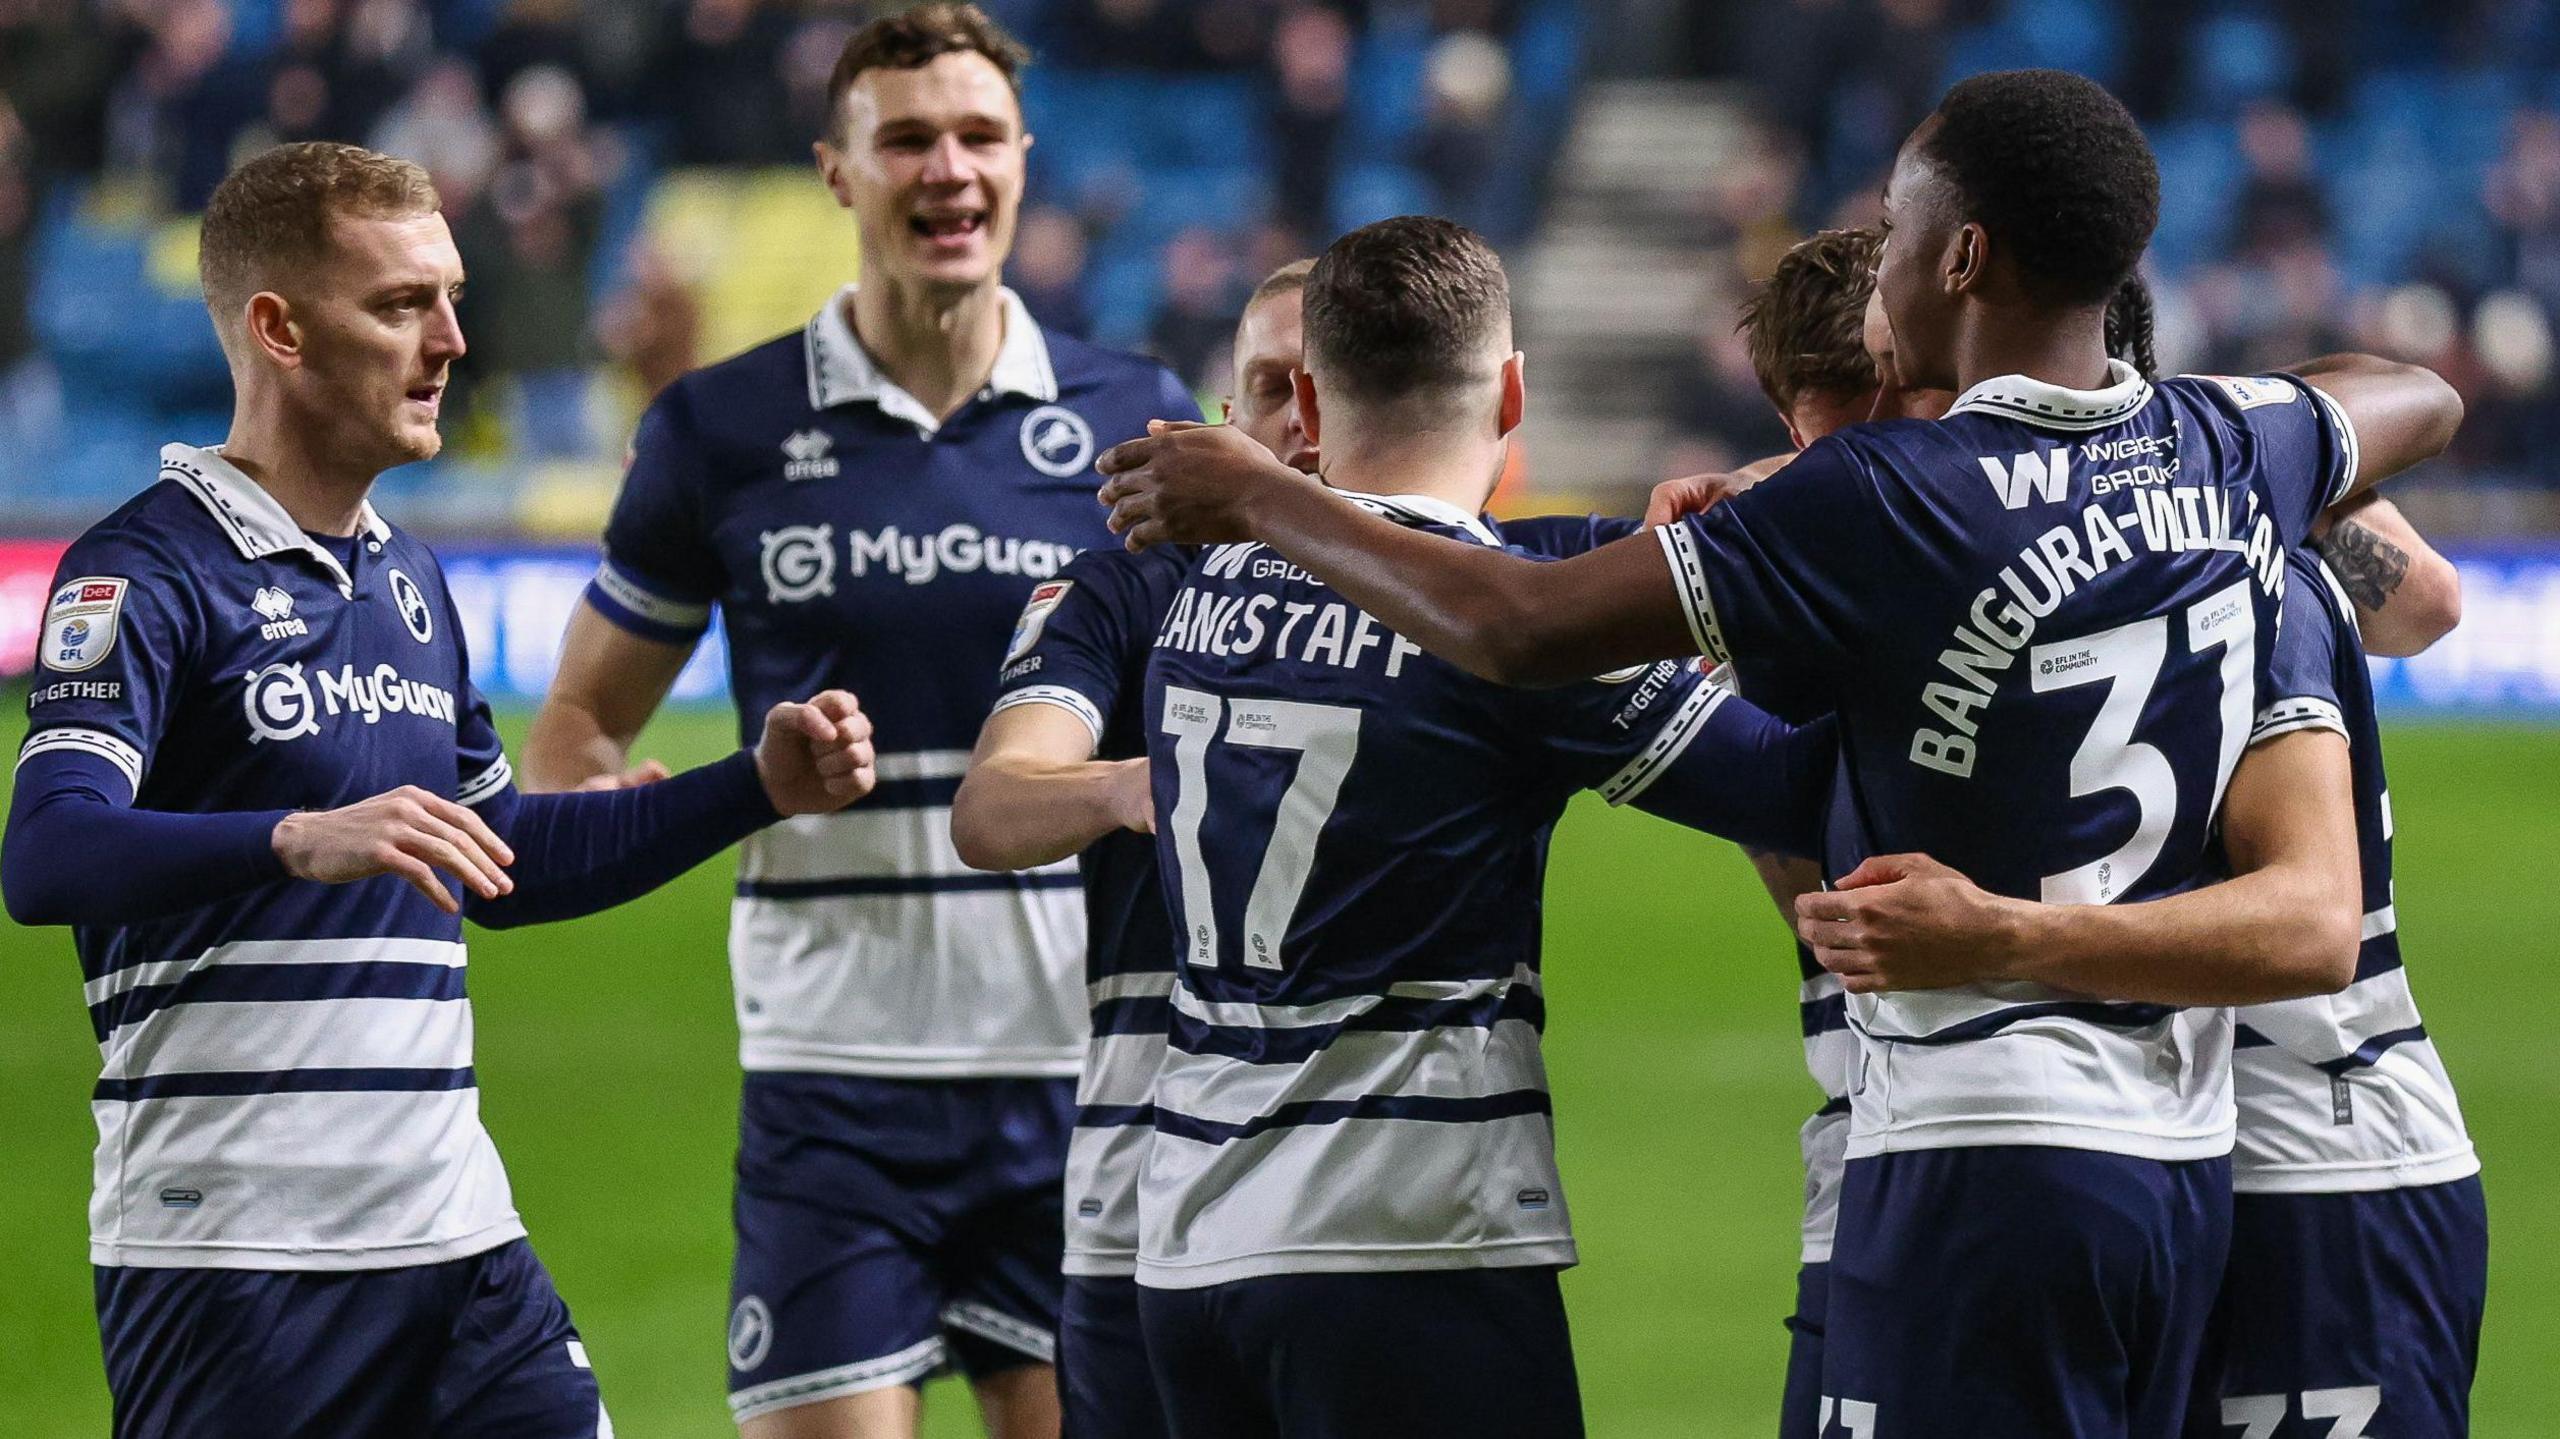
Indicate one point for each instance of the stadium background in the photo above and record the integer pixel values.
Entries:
(628, 181)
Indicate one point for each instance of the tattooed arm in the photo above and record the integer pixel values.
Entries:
(2406, 595)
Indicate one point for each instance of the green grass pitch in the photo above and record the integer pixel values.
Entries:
(607, 1061)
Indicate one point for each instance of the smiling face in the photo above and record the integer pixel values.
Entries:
(930, 162)
(377, 337)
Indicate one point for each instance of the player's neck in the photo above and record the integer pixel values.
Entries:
(2069, 349)
(1454, 471)
(291, 464)
(936, 344)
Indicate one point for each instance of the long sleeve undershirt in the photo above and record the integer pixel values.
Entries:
(77, 852)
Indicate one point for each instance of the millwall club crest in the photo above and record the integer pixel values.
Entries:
(1057, 441)
(413, 607)
(80, 624)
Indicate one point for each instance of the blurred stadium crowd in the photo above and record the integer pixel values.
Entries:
(629, 182)
(2336, 174)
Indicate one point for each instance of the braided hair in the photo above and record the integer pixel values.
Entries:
(2129, 326)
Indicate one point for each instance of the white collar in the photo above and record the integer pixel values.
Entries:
(841, 372)
(2052, 407)
(1423, 510)
(257, 525)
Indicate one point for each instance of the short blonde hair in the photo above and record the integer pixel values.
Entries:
(271, 216)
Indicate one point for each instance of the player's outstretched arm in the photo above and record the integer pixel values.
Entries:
(1499, 616)
(589, 850)
(79, 853)
(2407, 596)
(1034, 795)
(610, 682)
(2285, 926)
(2403, 414)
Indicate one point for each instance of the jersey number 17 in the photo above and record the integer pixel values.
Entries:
(1327, 738)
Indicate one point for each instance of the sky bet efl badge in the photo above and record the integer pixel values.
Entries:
(80, 625)
(1026, 631)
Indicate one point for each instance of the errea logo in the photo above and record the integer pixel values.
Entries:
(805, 457)
(276, 608)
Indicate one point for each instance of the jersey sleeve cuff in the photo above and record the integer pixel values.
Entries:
(2299, 712)
(484, 786)
(1064, 698)
(1666, 746)
(1689, 576)
(126, 758)
(636, 607)
(2350, 454)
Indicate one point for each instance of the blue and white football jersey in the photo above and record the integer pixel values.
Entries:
(2343, 1092)
(287, 1075)
(2045, 625)
(852, 540)
(1353, 836)
(1082, 646)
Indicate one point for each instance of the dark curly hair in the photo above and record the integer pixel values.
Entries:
(2056, 170)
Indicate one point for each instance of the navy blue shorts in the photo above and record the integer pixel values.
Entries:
(2349, 1314)
(887, 1227)
(467, 1348)
(2020, 1292)
(1103, 1380)
(1417, 1354)
(1800, 1414)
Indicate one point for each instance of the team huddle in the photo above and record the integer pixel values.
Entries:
(1138, 985)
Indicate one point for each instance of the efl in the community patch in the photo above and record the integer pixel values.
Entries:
(80, 624)
(1026, 631)
(2251, 391)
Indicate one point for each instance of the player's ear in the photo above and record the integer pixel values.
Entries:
(1515, 392)
(1968, 256)
(1304, 385)
(272, 332)
(831, 170)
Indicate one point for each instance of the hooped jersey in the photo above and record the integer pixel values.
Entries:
(850, 538)
(2344, 1092)
(2044, 623)
(1081, 645)
(1353, 837)
(286, 1077)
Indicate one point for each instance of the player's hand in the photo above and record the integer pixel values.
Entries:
(1187, 484)
(648, 771)
(408, 832)
(1133, 796)
(815, 756)
(1691, 495)
(1905, 921)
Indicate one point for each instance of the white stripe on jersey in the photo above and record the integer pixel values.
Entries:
(1061, 696)
(316, 1181)
(641, 601)
(2161, 1092)
(484, 786)
(86, 741)
(859, 843)
(444, 952)
(2298, 713)
(1824, 1143)
(921, 986)
(1667, 745)
(304, 1034)
(2392, 1125)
